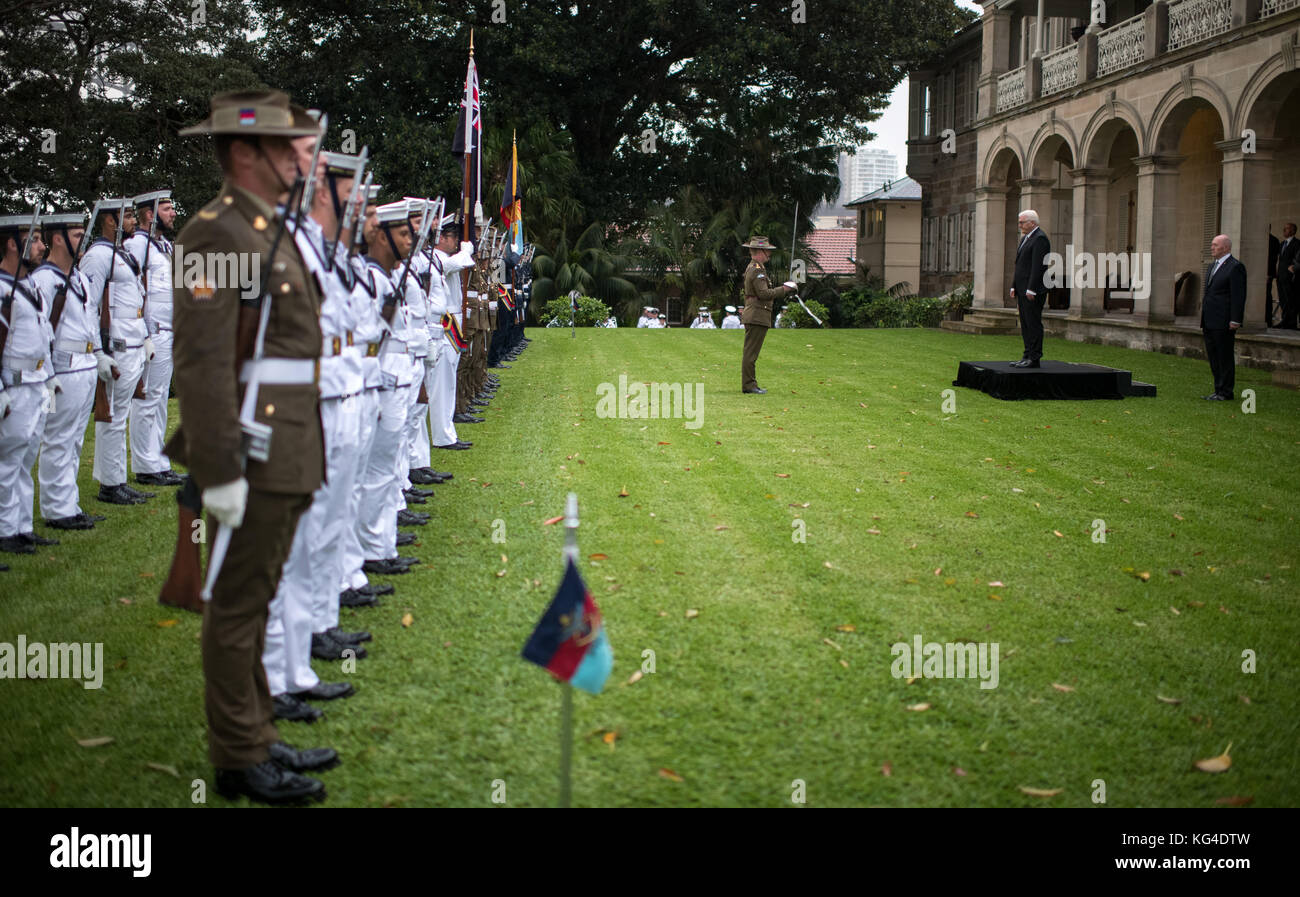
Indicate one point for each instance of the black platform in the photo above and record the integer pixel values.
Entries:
(1053, 380)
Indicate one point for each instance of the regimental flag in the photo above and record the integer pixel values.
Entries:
(451, 328)
(469, 121)
(512, 203)
(569, 640)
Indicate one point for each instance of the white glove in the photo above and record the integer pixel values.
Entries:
(148, 349)
(4, 404)
(107, 371)
(227, 502)
(467, 246)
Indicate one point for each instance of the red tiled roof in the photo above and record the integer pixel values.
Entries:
(833, 246)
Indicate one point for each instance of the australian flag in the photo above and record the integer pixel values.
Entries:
(569, 640)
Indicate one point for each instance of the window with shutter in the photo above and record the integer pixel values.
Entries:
(1209, 221)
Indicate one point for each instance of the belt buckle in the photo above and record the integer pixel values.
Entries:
(117, 345)
(350, 339)
(139, 312)
(337, 344)
(372, 350)
(40, 363)
(89, 348)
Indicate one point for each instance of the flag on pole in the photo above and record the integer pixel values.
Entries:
(512, 202)
(470, 122)
(569, 640)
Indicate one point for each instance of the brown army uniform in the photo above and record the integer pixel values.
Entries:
(757, 318)
(213, 336)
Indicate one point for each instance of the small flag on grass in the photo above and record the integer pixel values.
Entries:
(569, 640)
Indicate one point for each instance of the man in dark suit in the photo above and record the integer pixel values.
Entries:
(1222, 309)
(1027, 286)
(1288, 266)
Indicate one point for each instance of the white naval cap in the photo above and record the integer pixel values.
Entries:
(731, 309)
(393, 212)
(63, 219)
(147, 199)
(342, 165)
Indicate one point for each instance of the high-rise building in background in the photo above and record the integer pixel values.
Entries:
(866, 170)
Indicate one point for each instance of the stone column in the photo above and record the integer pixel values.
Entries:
(1091, 186)
(1247, 183)
(995, 53)
(1157, 231)
(990, 247)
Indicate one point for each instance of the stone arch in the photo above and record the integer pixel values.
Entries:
(1263, 96)
(1050, 136)
(998, 161)
(1178, 104)
(1101, 130)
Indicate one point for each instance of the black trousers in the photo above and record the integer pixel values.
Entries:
(1219, 349)
(1031, 324)
(1286, 298)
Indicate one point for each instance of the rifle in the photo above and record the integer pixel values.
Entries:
(61, 297)
(257, 436)
(103, 402)
(349, 208)
(183, 580)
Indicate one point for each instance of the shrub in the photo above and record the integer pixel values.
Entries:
(795, 316)
(591, 312)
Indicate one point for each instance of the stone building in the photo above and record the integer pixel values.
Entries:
(1138, 130)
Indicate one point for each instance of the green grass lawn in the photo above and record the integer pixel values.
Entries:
(910, 512)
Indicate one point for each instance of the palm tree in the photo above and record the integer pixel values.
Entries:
(586, 266)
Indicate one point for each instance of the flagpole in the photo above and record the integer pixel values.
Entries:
(464, 193)
(566, 701)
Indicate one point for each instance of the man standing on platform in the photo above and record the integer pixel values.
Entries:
(1027, 286)
(757, 315)
(1222, 310)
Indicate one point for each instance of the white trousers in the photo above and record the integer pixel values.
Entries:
(20, 440)
(110, 438)
(286, 654)
(381, 493)
(368, 419)
(417, 432)
(306, 600)
(442, 395)
(331, 521)
(65, 434)
(149, 415)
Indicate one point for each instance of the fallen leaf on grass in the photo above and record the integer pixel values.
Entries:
(95, 742)
(1163, 700)
(958, 771)
(844, 663)
(719, 528)
(1196, 604)
(634, 678)
(1040, 792)
(163, 767)
(609, 738)
(623, 493)
(407, 620)
(1061, 687)
(873, 532)
(784, 476)
(1058, 534)
(919, 708)
(1243, 698)
(827, 641)
(887, 770)
(692, 613)
(665, 443)
(1216, 764)
(598, 556)
(124, 601)
(146, 576)
(500, 573)
(996, 584)
(995, 597)
(971, 514)
(552, 520)
(167, 624)
(1234, 801)
(846, 627)
(665, 773)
